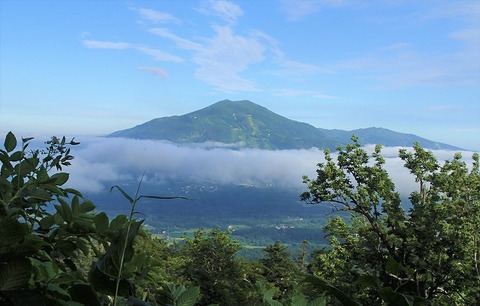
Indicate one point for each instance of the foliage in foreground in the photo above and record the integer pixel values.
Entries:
(57, 250)
(428, 254)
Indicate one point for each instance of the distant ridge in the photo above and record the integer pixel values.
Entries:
(246, 124)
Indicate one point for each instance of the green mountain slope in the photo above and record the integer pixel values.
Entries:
(246, 124)
(233, 122)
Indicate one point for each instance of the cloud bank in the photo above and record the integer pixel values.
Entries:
(102, 162)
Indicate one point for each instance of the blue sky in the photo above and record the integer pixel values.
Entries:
(94, 67)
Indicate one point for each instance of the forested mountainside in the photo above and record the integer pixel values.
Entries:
(249, 125)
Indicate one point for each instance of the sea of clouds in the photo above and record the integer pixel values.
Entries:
(102, 162)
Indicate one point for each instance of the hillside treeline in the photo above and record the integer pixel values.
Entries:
(56, 249)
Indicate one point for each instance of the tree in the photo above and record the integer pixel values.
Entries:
(280, 270)
(37, 245)
(429, 252)
(302, 256)
(50, 234)
(212, 266)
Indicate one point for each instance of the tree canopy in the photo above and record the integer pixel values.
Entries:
(428, 252)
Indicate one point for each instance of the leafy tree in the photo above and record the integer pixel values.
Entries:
(428, 253)
(51, 233)
(212, 266)
(37, 246)
(280, 270)
(302, 256)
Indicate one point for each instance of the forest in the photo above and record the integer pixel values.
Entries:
(56, 248)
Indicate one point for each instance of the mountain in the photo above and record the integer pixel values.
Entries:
(246, 124)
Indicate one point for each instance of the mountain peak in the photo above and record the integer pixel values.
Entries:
(246, 124)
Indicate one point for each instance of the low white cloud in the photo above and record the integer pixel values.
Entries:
(103, 162)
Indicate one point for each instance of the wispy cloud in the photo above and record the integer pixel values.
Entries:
(156, 54)
(222, 58)
(403, 64)
(225, 56)
(156, 71)
(407, 67)
(159, 55)
(300, 9)
(97, 44)
(182, 43)
(155, 16)
(226, 10)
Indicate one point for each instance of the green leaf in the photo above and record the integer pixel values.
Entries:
(332, 290)
(125, 194)
(119, 222)
(10, 142)
(42, 174)
(60, 178)
(44, 270)
(11, 231)
(59, 293)
(161, 197)
(73, 191)
(101, 222)
(67, 210)
(299, 300)
(75, 205)
(5, 159)
(105, 283)
(15, 274)
(393, 267)
(188, 297)
(366, 281)
(395, 298)
(86, 206)
(62, 213)
(81, 245)
(319, 301)
(47, 222)
(16, 156)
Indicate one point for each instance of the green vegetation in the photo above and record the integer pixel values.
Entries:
(56, 249)
(246, 124)
(428, 254)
